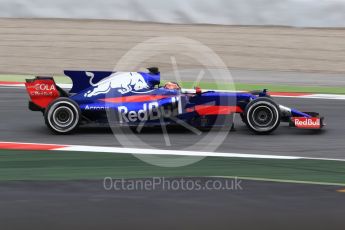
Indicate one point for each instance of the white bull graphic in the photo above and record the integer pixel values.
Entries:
(123, 81)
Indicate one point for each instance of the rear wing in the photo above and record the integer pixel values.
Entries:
(42, 91)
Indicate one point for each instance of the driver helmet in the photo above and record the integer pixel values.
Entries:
(172, 85)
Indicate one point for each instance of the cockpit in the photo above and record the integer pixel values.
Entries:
(172, 86)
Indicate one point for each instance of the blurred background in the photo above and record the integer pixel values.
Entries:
(303, 36)
(306, 13)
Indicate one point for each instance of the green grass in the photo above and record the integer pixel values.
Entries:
(55, 165)
(212, 85)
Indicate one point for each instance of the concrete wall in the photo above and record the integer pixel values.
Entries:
(305, 13)
(38, 46)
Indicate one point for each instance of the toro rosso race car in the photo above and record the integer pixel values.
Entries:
(137, 98)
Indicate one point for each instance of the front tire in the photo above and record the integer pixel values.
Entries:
(262, 115)
(62, 116)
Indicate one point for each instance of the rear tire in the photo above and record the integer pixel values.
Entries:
(62, 116)
(262, 115)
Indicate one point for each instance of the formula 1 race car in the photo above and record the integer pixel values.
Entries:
(136, 98)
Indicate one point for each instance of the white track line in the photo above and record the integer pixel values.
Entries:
(282, 180)
(81, 148)
(326, 96)
(137, 151)
(118, 150)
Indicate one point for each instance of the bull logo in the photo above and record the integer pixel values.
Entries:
(124, 82)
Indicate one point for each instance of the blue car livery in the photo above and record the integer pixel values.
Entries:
(136, 98)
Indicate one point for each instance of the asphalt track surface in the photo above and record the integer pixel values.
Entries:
(87, 205)
(20, 124)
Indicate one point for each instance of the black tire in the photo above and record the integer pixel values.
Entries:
(262, 115)
(62, 116)
(243, 118)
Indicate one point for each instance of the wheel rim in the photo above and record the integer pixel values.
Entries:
(63, 117)
(262, 116)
